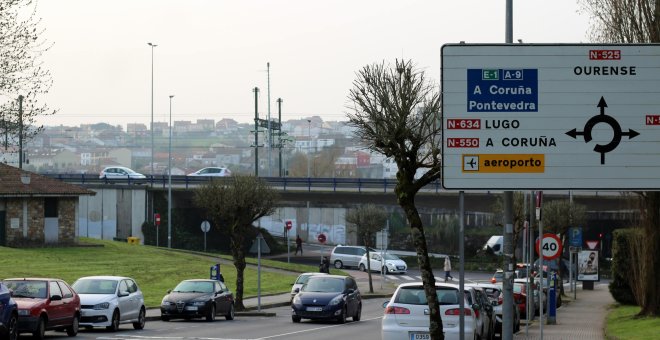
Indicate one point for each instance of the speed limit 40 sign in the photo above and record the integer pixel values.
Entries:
(551, 248)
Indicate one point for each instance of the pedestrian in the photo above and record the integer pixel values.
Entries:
(448, 269)
(298, 245)
(324, 267)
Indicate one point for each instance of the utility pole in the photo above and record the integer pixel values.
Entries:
(256, 132)
(279, 135)
(270, 131)
(20, 132)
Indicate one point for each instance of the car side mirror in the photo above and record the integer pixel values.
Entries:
(385, 303)
(169, 291)
(297, 290)
(56, 298)
(350, 291)
(123, 293)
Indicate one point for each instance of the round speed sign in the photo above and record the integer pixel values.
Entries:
(551, 247)
(321, 238)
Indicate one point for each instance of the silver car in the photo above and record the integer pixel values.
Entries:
(120, 172)
(347, 256)
(108, 301)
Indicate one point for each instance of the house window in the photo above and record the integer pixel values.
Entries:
(50, 207)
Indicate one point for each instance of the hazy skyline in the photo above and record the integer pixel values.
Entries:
(211, 54)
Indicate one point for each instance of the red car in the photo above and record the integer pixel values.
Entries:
(45, 304)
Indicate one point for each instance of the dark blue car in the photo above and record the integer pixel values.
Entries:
(8, 315)
(327, 297)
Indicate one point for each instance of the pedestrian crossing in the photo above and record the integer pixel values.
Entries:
(410, 278)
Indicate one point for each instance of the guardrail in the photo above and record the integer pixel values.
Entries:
(283, 183)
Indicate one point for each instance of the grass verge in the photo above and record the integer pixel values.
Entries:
(155, 269)
(621, 324)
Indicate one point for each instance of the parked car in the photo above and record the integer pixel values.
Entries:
(212, 172)
(198, 298)
(45, 304)
(120, 172)
(8, 314)
(406, 313)
(347, 256)
(483, 310)
(107, 301)
(329, 297)
(300, 281)
(392, 263)
(520, 296)
(496, 297)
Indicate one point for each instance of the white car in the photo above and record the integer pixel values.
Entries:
(107, 301)
(212, 172)
(120, 172)
(392, 263)
(406, 314)
(300, 281)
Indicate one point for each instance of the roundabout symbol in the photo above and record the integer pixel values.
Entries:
(603, 118)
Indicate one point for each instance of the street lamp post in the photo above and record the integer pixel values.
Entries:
(169, 183)
(309, 146)
(152, 109)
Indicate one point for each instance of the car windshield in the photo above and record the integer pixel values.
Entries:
(302, 279)
(95, 286)
(391, 257)
(324, 285)
(415, 295)
(194, 287)
(28, 288)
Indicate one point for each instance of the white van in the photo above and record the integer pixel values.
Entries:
(495, 243)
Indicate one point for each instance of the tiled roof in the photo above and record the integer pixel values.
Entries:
(11, 185)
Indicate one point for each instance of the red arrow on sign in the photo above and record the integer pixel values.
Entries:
(591, 244)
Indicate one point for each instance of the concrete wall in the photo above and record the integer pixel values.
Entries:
(112, 213)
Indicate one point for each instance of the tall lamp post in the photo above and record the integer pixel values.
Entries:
(169, 183)
(309, 146)
(152, 108)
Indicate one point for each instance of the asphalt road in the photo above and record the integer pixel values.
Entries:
(248, 327)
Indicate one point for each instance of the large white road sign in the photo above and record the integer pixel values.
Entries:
(528, 116)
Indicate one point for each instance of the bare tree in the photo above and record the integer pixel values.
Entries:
(396, 113)
(636, 21)
(368, 219)
(236, 203)
(21, 71)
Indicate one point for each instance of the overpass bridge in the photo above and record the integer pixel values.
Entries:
(121, 206)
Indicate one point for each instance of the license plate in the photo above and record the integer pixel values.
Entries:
(192, 308)
(420, 336)
(316, 309)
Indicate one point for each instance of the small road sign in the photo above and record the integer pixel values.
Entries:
(157, 219)
(288, 225)
(551, 248)
(206, 226)
(321, 238)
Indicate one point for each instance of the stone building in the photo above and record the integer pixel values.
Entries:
(37, 210)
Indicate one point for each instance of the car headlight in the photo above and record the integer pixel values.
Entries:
(165, 303)
(24, 312)
(102, 305)
(336, 300)
(198, 303)
(296, 300)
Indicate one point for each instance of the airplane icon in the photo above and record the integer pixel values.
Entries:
(470, 163)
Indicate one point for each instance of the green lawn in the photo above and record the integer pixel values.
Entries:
(155, 269)
(622, 324)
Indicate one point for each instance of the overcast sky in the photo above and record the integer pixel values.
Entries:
(212, 53)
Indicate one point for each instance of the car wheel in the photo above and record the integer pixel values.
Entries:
(339, 264)
(384, 270)
(73, 329)
(39, 333)
(358, 313)
(141, 320)
(211, 314)
(230, 315)
(12, 327)
(114, 323)
(342, 316)
(295, 319)
(362, 268)
(164, 318)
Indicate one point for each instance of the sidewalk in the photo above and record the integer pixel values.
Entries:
(583, 318)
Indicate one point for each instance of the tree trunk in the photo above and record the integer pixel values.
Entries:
(651, 261)
(239, 262)
(371, 285)
(407, 202)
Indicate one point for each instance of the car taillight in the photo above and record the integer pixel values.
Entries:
(493, 280)
(500, 300)
(397, 310)
(476, 313)
(457, 311)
